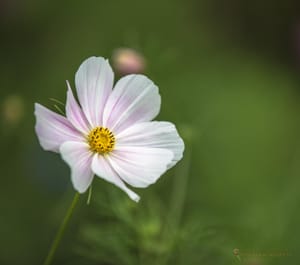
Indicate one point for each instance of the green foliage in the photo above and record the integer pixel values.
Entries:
(119, 231)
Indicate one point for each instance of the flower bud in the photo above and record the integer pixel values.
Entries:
(12, 110)
(128, 61)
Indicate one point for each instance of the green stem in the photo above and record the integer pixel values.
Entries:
(178, 197)
(61, 231)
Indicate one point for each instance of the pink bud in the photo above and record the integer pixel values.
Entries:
(128, 61)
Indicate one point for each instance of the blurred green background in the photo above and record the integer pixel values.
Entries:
(228, 73)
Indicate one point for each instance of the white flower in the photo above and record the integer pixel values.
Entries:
(110, 134)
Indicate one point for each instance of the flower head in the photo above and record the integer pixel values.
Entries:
(109, 133)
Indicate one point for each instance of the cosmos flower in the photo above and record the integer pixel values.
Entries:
(109, 133)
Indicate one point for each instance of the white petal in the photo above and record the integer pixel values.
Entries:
(94, 82)
(155, 134)
(75, 114)
(53, 129)
(78, 156)
(140, 166)
(102, 168)
(134, 99)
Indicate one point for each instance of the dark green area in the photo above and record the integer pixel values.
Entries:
(227, 72)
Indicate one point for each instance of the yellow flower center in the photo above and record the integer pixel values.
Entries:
(101, 140)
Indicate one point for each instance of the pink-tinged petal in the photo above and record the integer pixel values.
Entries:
(75, 114)
(140, 166)
(155, 134)
(102, 168)
(53, 129)
(134, 99)
(94, 82)
(78, 156)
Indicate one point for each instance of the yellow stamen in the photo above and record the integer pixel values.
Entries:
(101, 140)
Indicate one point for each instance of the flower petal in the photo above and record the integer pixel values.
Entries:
(155, 134)
(78, 156)
(140, 166)
(135, 98)
(102, 168)
(53, 129)
(74, 113)
(94, 82)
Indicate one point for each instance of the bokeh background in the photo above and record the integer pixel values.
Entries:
(228, 73)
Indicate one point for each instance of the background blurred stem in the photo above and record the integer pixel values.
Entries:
(177, 203)
(179, 191)
(61, 231)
